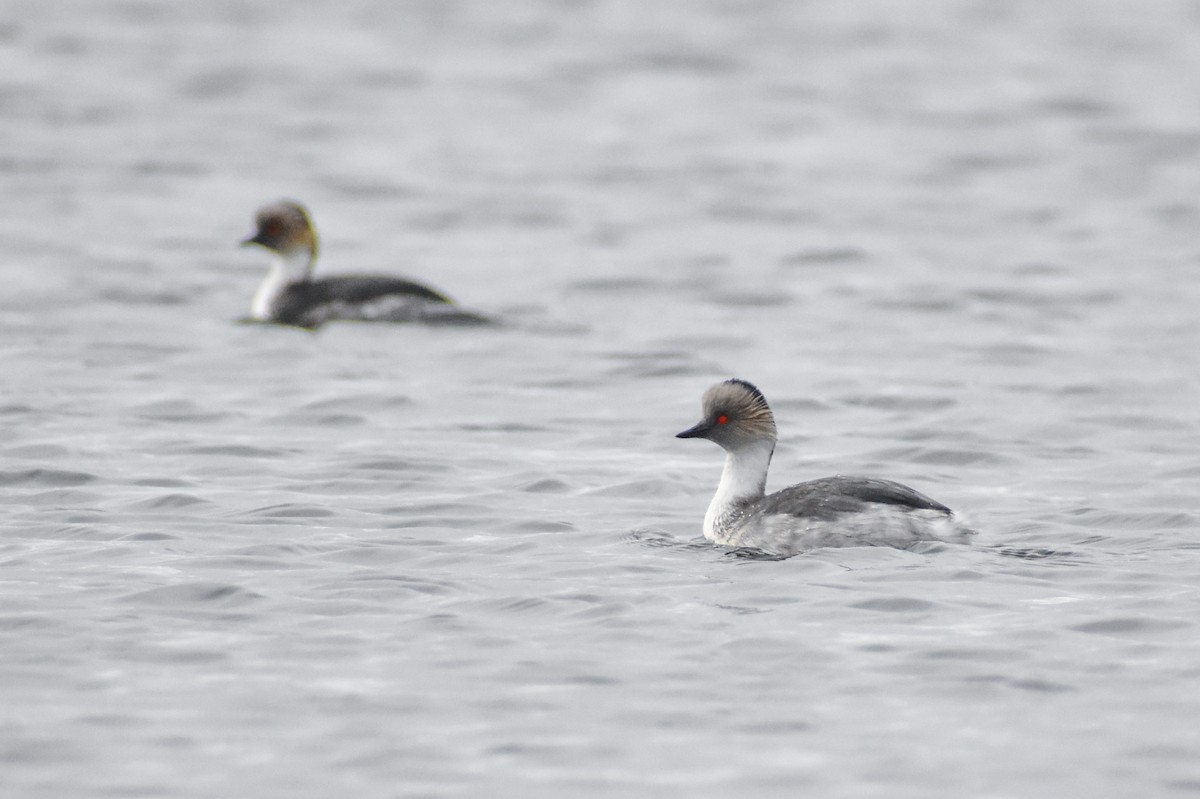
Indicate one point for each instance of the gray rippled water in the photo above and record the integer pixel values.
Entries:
(954, 243)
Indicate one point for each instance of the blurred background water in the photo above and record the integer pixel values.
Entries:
(955, 243)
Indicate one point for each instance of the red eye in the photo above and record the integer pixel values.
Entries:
(722, 419)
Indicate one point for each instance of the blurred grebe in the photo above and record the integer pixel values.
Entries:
(830, 512)
(290, 295)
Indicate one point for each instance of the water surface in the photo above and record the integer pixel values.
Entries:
(954, 243)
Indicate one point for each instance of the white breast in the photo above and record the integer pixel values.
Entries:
(284, 270)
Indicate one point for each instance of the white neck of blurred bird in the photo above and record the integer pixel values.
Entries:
(291, 267)
(743, 481)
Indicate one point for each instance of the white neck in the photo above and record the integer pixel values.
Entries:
(290, 268)
(743, 480)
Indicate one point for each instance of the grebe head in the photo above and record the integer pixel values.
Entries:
(285, 228)
(736, 416)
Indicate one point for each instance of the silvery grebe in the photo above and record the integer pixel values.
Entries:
(830, 512)
(290, 295)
